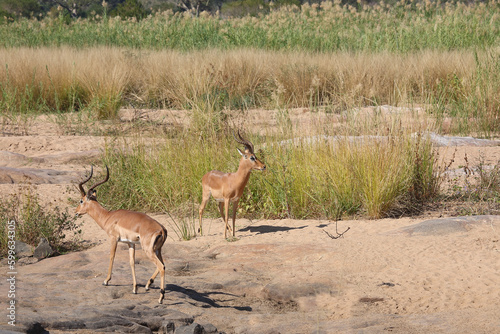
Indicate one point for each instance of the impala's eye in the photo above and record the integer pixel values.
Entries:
(81, 201)
(252, 158)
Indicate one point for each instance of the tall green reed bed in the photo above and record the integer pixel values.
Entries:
(306, 178)
(403, 26)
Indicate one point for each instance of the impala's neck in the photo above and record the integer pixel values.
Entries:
(243, 172)
(98, 213)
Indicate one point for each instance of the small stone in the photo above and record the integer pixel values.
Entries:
(209, 329)
(34, 328)
(194, 328)
(23, 249)
(167, 327)
(43, 249)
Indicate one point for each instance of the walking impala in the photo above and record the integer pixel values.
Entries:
(129, 227)
(228, 187)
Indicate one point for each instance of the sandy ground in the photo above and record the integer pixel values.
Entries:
(280, 276)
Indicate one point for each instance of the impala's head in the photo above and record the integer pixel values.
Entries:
(248, 156)
(90, 195)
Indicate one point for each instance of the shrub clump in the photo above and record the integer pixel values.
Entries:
(34, 222)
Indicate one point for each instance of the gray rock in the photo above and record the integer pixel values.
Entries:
(194, 328)
(178, 318)
(443, 226)
(118, 317)
(439, 140)
(23, 249)
(15, 159)
(209, 329)
(10, 175)
(43, 249)
(34, 328)
(167, 327)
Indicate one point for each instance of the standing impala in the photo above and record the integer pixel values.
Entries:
(228, 187)
(129, 227)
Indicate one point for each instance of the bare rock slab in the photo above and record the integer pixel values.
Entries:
(9, 175)
(125, 318)
(443, 226)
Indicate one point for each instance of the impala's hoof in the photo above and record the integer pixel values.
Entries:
(162, 295)
(105, 283)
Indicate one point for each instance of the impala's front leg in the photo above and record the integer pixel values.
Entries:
(226, 216)
(131, 250)
(114, 243)
(204, 199)
(235, 208)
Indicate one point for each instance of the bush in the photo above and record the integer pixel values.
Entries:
(34, 222)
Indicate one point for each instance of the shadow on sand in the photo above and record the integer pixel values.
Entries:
(261, 229)
(205, 297)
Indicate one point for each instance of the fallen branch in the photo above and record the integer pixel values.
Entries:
(339, 235)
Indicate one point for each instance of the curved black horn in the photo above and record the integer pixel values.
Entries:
(80, 185)
(98, 184)
(243, 141)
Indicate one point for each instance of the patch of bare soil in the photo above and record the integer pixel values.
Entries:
(407, 275)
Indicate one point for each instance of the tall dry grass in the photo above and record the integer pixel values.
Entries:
(459, 84)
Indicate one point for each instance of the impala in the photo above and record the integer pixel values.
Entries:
(129, 227)
(228, 187)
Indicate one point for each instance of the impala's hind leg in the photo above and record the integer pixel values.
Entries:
(155, 257)
(160, 268)
(152, 279)
(204, 200)
(226, 217)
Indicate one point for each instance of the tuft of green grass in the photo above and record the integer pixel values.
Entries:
(314, 177)
(184, 225)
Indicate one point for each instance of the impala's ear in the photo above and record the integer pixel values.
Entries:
(91, 193)
(241, 152)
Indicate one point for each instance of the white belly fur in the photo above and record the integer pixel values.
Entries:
(222, 199)
(129, 241)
